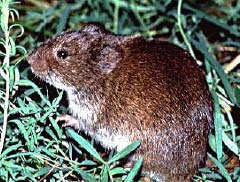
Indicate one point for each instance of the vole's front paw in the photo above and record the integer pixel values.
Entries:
(68, 120)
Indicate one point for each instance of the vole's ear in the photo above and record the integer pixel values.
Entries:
(109, 58)
(95, 28)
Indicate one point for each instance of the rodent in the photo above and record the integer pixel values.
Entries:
(123, 88)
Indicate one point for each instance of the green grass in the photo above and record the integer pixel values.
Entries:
(33, 145)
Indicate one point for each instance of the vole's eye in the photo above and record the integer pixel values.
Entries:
(62, 54)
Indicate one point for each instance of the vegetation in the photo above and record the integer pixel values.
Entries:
(34, 147)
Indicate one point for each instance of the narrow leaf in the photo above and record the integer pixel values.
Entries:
(85, 144)
(35, 87)
(10, 149)
(224, 172)
(230, 144)
(85, 176)
(125, 151)
(63, 19)
(201, 46)
(134, 171)
(218, 125)
(117, 171)
(104, 176)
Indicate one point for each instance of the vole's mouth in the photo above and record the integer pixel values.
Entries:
(40, 73)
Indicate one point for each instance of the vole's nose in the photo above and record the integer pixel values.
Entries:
(37, 63)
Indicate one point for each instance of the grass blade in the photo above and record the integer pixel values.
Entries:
(134, 171)
(35, 87)
(85, 144)
(104, 176)
(224, 172)
(201, 46)
(63, 19)
(125, 152)
(217, 126)
(85, 176)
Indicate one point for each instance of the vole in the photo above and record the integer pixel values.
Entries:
(126, 88)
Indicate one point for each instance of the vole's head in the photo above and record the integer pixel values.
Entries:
(77, 59)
